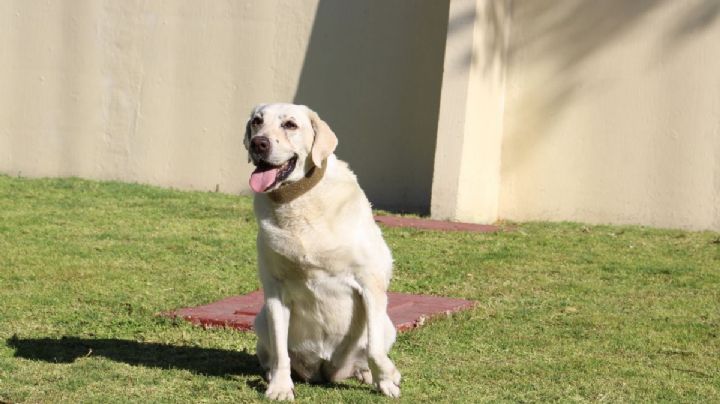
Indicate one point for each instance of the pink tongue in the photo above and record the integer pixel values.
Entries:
(261, 180)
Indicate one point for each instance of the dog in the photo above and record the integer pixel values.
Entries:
(322, 261)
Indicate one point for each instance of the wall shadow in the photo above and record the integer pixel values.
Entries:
(553, 44)
(205, 361)
(561, 36)
(696, 19)
(373, 71)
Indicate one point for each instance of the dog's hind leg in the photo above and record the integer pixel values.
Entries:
(351, 354)
(362, 369)
(384, 373)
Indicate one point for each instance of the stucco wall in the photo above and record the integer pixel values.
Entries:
(594, 111)
(373, 70)
(613, 113)
(466, 180)
(158, 92)
(153, 92)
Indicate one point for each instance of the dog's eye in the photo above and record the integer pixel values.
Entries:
(289, 125)
(257, 121)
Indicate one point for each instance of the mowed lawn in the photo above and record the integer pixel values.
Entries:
(566, 312)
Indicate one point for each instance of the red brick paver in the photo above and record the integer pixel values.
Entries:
(429, 224)
(406, 311)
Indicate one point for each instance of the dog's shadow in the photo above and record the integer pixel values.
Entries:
(204, 361)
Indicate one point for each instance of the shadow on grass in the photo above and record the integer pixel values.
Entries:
(205, 361)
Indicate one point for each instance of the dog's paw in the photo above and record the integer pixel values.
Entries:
(389, 388)
(389, 383)
(386, 376)
(364, 376)
(395, 376)
(280, 390)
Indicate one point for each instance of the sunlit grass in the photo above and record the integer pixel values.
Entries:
(565, 311)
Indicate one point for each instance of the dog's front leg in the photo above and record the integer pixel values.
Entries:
(384, 373)
(280, 385)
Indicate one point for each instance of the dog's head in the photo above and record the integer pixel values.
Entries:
(285, 141)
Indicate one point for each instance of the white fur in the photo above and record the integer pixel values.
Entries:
(325, 269)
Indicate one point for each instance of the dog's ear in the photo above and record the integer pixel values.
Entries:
(325, 140)
(246, 139)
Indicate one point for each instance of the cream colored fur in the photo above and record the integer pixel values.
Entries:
(324, 267)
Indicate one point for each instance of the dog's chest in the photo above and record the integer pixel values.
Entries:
(306, 244)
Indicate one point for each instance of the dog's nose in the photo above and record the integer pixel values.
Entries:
(260, 145)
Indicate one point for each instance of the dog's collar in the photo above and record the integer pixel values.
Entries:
(293, 190)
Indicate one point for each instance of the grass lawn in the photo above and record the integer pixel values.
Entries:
(566, 312)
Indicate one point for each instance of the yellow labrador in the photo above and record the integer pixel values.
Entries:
(322, 261)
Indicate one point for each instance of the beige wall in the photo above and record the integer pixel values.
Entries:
(158, 92)
(613, 113)
(610, 112)
(585, 110)
(467, 178)
(154, 92)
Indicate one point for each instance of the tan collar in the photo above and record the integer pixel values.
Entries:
(293, 190)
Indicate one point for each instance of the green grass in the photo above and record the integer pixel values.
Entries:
(566, 312)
